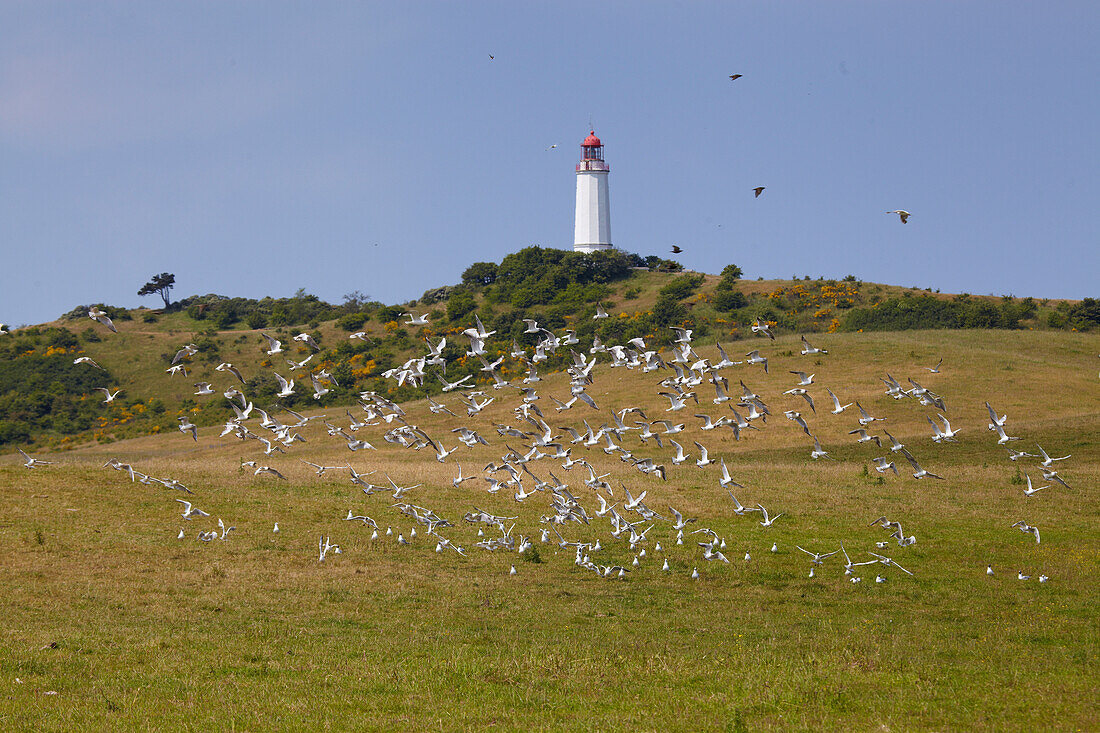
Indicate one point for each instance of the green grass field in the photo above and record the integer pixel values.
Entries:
(109, 622)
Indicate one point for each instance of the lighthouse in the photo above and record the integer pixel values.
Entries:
(592, 226)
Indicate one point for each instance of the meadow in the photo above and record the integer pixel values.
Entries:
(108, 621)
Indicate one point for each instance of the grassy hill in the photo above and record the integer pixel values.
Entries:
(45, 401)
(110, 621)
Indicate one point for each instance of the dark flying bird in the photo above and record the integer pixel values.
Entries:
(758, 190)
(676, 250)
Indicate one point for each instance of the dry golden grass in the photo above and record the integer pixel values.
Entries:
(254, 633)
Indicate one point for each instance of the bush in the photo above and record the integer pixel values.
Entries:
(352, 321)
(391, 313)
(668, 310)
(480, 274)
(925, 311)
(1085, 315)
(729, 300)
(682, 286)
(460, 304)
(731, 272)
(256, 319)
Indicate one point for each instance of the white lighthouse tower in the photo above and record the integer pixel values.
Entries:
(592, 227)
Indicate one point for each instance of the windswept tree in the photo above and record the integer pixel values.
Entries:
(160, 284)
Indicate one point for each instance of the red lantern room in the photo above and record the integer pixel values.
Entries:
(592, 154)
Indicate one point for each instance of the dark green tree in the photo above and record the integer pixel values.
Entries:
(160, 284)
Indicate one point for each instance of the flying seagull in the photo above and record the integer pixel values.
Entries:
(902, 214)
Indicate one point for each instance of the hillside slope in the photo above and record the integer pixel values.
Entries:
(45, 399)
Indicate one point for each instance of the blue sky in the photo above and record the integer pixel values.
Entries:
(256, 148)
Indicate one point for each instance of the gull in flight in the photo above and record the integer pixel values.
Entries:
(808, 349)
(187, 426)
(33, 462)
(416, 319)
(762, 327)
(890, 563)
(755, 358)
(837, 407)
(817, 557)
(110, 395)
(448, 386)
(97, 315)
(936, 369)
(87, 360)
(902, 214)
(726, 480)
(1029, 491)
(918, 472)
(864, 437)
(269, 471)
(1003, 437)
(285, 388)
(800, 392)
(865, 417)
(803, 379)
(324, 547)
(189, 511)
(882, 465)
(848, 564)
(306, 339)
(895, 446)
(768, 521)
(321, 469)
(274, 345)
(739, 509)
(797, 418)
(995, 421)
(227, 367)
(945, 435)
(1027, 529)
(1047, 461)
(600, 313)
(818, 453)
(704, 460)
(186, 351)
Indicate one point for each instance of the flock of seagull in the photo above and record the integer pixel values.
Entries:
(527, 473)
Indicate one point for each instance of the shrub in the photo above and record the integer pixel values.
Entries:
(352, 321)
(731, 272)
(682, 286)
(480, 274)
(389, 313)
(459, 304)
(728, 300)
(1085, 315)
